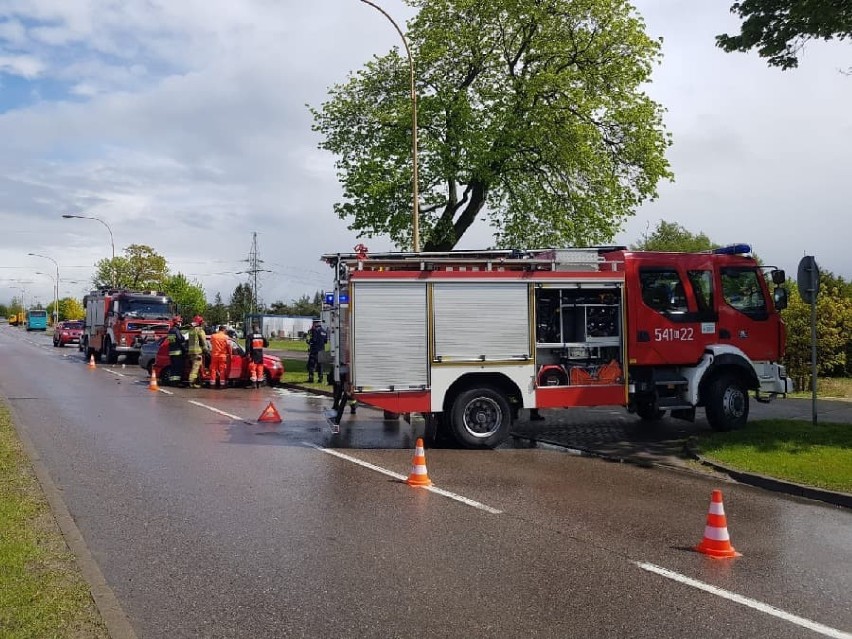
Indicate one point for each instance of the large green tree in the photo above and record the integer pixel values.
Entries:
(834, 331)
(188, 296)
(70, 308)
(671, 236)
(779, 29)
(241, 302)
(217, 312)
(140, 268)
(531, 114)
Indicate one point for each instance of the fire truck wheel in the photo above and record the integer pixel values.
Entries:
(648, 412)
(480, 418)
(727, 403)
(110, 356)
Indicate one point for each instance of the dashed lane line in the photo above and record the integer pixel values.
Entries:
(390, 473)
(745, 601)
(216, 410)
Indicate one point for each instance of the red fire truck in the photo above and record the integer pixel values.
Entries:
(119, 321)
(468, 338)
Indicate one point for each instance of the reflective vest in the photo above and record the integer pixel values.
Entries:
(177, 341)
(197, 341)
(255, 344)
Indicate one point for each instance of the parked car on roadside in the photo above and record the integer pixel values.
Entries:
(238, 375)
(67, 332)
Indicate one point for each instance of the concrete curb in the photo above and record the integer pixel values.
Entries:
(843, 500)
(585, 452)
(305, 389)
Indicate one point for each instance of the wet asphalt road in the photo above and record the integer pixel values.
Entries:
(211, 525)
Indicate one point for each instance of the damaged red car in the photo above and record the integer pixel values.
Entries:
(238, 373)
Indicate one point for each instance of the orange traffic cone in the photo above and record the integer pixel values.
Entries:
(152, 385)
(419, 476)
(270, 414)
(92, 361)
(716, 542)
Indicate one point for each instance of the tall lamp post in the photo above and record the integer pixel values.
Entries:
(69, 216)
(415, 209)
(55, 286)
(55, 296)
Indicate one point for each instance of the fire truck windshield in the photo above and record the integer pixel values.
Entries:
(156, 308)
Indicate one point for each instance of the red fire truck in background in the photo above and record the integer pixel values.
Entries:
(119, 321)
(468, 338)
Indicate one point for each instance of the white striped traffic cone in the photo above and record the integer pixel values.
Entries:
(717, 542)
(419, 476)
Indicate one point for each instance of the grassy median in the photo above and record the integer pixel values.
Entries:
(793, 450)
(42, 594)
(296, 372)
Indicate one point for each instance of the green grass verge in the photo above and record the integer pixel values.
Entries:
(793, 450)
(289, 345)
(829, 388)
(42, 594)
(296, 372)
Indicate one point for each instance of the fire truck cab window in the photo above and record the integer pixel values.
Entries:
(144, 308)
(663, 291)
(702, 288)
(741, 290)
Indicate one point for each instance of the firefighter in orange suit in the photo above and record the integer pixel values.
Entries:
(220, 360)
(255, 342)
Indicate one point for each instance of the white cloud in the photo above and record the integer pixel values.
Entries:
(21, 65)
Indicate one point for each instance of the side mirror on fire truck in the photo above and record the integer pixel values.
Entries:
(779, 296)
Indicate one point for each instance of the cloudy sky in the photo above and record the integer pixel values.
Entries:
(182, 124)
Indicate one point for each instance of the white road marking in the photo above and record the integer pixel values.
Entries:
(390, 473)
(112, 372)
(216, 410)
(745, 601)
(163, 390)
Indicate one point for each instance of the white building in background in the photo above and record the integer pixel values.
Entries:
(284, 326)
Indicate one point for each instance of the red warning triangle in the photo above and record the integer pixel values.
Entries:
(270, 414)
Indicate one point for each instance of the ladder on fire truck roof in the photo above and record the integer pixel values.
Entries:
(569, 259)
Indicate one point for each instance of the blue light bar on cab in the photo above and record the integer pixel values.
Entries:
(733, 249)
(329, 298)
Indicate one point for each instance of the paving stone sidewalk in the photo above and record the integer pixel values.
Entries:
(615, 433)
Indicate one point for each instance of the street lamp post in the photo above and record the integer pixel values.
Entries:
(415, 209)
(55, 296)
(69, 216)
(55, 287)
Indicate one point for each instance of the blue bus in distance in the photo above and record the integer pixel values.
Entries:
(36, 320)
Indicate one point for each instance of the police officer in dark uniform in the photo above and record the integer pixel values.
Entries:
(317, 338)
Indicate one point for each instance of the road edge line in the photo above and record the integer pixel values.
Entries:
(432, 489)
(765, 608)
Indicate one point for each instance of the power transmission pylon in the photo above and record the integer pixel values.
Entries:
(254, 268)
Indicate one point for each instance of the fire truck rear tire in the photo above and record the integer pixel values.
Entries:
(727, 403)
(110, 355)
(648, 412)
(480, 418)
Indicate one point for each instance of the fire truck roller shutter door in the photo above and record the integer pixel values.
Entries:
(389, 335)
